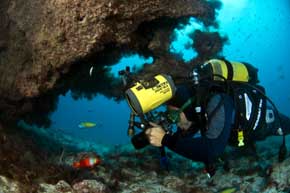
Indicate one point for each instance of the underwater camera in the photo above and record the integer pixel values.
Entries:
(159, 117)
(143, 96)
(146, 95)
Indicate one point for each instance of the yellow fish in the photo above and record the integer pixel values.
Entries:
(229, 190)
(87, 125)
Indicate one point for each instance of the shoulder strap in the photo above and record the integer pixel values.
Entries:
(250, 108)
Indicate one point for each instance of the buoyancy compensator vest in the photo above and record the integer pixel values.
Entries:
(240, 81)
(250, 109)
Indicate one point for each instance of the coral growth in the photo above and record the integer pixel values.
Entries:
(29, 168)
(41, 41)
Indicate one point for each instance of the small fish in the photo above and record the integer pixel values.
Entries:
(229, 190)
(91, 71)
(87, 125)
(88, 162)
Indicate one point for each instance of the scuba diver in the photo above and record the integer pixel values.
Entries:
(205, 143)
(223, 104)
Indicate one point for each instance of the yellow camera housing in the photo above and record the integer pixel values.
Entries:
(143, 99)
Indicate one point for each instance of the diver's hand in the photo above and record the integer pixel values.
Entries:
(155, 134)
(184, 123)
(184, 126)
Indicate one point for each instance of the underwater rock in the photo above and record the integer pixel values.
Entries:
(8, 186)
(123, 170)
(173, 182)
(207, 44)
(41, 40)
(90, 186)
(61, 186)
(280, 176)
(130, 172)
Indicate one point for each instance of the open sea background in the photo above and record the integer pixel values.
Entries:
(258, 33)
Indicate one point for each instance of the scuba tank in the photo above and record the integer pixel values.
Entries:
(220, 70)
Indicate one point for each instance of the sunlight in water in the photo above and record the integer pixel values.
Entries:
(183, 43)
(135, 62)
(230, 9)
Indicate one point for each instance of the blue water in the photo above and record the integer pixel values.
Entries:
(258, 33)
(111, 119)
(134, 61)
(183, 43)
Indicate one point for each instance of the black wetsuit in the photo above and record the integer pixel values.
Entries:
(206, 148)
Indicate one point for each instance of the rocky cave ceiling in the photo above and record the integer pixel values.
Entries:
(46, 47)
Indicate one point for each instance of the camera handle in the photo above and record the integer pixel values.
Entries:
(142, 139)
